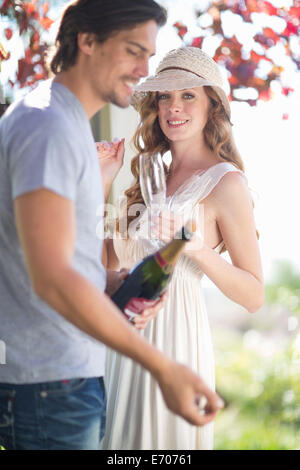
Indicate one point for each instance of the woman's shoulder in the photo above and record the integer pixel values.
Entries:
(231, 186)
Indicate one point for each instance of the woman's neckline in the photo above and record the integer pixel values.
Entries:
(197, 173)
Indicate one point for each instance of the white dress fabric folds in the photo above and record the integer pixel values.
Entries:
(137, 417)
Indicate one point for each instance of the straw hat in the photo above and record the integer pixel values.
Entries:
(186, 67)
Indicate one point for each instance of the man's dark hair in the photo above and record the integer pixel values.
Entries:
(103, 18)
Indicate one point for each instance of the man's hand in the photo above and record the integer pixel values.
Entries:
(184, 391)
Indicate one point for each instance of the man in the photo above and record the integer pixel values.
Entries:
(55, 317)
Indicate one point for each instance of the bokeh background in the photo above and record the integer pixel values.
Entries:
(257, 45)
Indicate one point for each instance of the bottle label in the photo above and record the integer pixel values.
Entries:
(166, 267)
(135, 307)
(162, 263)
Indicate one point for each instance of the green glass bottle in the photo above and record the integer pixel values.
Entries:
(148, 279)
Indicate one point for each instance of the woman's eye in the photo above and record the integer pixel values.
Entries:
(163, 97)
(188, 96)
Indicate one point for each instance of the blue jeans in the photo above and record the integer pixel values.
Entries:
(65, 414)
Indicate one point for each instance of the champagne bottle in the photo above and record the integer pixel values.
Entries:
(148, 279)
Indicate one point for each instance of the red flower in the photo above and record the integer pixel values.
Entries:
(197, 42)
(286, 90)
(8, 33)
(46, 22)
(181, 29)
(265, 95)
(267, 7)
(290, 29)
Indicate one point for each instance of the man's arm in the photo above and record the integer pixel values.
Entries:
(47, 230)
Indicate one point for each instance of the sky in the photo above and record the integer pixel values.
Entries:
(268, 144)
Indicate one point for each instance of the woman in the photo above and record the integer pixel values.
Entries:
(192, 120)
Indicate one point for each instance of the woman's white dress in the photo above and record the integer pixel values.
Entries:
(137, 417)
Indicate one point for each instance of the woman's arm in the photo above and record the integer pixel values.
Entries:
(241, 281)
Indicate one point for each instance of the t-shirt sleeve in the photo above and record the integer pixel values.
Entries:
(44, 158)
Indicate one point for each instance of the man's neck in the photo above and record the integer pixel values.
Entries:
(74, 80)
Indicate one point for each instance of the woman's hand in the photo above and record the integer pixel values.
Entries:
(168, 224)
(110, 156)
(142, 320)
(114, 280)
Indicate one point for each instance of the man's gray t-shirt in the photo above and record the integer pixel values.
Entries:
(46, 142)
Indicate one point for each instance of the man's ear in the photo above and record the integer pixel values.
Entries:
(85, 42)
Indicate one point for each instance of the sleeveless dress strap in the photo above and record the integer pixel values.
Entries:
(199, 186)
(214, 174)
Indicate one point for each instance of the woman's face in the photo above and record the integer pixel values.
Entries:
(182, 114)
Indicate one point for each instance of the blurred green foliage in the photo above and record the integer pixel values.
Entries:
(285, 287)
(259, 381)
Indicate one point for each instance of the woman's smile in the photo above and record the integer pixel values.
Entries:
(175, 123)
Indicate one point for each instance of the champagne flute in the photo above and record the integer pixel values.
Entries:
(153, 183)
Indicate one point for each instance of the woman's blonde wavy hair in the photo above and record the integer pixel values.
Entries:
(149, 139)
